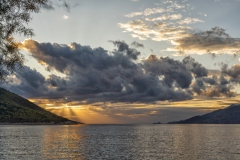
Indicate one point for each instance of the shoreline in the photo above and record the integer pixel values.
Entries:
(41, 123)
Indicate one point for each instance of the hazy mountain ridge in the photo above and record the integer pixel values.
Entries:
(229, 115)
(15, 109)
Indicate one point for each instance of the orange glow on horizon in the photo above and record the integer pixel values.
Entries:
(118, 113)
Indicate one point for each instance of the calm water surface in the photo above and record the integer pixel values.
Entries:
(170, 142)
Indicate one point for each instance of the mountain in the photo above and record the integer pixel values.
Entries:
(229, 115)
(15, 109)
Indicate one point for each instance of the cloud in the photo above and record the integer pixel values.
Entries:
(189, 20)
(213, 87)
(215, 41)
(165, 23)
(27, 82)
(170, 23)
(133, 14)
(175, 29)
(233, 72)
(175, 73)
(169, 6)
(160, 31)
(150, 11)
(96, 75)
(196, 68)
(137, 45)
(165, 17)
(130, 52)
(146, 12)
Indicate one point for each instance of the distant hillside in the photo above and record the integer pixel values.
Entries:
(15, 109)
(229, 115)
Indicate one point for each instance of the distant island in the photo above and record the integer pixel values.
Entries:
(17, 110)
(229, 115)
(157, 123)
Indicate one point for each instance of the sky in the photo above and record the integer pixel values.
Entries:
(131, 61)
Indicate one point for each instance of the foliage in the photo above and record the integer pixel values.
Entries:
(14, 15)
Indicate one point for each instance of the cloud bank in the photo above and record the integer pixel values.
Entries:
(97, 75)
(164, 23)
(169, 22)
(215, 41)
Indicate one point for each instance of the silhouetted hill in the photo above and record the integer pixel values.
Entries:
(15, 109)
(229, 115)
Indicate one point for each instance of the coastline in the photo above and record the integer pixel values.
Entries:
(42, 123)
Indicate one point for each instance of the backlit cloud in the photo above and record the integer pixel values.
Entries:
(96, 75)
(160, 31)
(215, 41)
(166, 23)
(146, 12)
(189, 20)
(170, 23)
(165, 17)
(133, 14)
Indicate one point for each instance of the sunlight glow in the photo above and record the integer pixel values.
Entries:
(117, 113)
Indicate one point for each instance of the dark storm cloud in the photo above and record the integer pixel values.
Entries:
(123, 47)
(55, 81)
(31, 77)
(195, 67)
(214, 41)
(189, 75)
(30, 83)
(171, 70)
(137, 45)
(212, 86)
(96, 75)
(233, 72)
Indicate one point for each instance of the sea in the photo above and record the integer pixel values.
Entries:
(120, 142)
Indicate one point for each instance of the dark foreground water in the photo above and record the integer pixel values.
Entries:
(176, 142)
